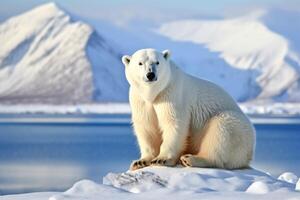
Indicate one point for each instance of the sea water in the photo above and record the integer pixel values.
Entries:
(50, 153)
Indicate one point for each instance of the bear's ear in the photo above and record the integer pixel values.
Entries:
(126, 60)
(166, 54)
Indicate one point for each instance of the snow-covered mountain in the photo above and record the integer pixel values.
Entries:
(48, 55)
(269, 63)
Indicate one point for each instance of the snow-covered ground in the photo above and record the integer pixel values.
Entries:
(179, 183)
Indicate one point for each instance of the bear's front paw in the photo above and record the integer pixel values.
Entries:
(163, 162)
(138, 164)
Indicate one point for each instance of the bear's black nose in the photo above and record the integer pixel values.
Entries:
(150, 76)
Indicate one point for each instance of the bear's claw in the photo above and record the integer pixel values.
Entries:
(158, 161)
(190, 160)
(163, 162)
(138, 164)
(185, 160)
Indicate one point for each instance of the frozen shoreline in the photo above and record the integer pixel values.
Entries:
(263, 109)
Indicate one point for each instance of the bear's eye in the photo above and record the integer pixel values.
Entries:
(157, 63)
(140, 63)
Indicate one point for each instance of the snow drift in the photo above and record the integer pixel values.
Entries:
(185, 183)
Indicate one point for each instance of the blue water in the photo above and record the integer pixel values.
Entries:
(52, 156)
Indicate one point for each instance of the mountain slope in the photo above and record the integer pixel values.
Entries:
(46, 57)
(246, 44)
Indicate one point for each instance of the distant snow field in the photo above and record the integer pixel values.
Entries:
(179, 183)
(103, 108)
(266, 109)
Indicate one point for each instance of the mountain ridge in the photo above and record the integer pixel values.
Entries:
(59, 58)
(48, 61)
(262, 50)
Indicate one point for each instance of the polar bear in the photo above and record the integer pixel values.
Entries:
(178, 118)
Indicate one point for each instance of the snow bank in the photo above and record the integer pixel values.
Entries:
(177, 183)
(183, 183)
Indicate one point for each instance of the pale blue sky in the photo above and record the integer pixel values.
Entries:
(98, 8)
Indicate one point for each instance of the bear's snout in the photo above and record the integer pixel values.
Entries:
(151, 76)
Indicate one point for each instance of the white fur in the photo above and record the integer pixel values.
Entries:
(183, 118)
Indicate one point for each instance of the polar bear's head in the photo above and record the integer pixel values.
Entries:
(147, 68)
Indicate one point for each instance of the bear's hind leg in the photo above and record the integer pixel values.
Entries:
(227, 141)
(189, 160)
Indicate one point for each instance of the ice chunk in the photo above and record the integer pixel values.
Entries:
(288, 177)
(298, 185)
(135, 182)
(258, 187)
